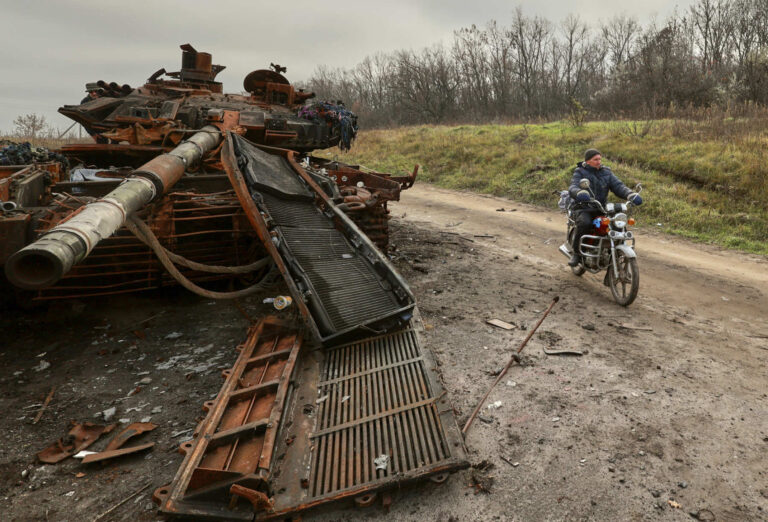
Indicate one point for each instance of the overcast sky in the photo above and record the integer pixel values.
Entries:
(50, 49)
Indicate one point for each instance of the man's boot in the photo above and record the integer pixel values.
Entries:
(575, 260)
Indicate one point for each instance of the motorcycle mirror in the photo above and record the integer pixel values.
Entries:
(584, 184)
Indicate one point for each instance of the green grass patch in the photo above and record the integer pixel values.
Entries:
(703, 187)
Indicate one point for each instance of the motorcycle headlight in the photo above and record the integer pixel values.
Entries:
(620, 220)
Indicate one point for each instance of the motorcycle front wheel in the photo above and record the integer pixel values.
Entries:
(624, 287)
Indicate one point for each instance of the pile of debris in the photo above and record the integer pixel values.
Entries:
(13, 153)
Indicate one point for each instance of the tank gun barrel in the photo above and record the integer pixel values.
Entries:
(44, 262)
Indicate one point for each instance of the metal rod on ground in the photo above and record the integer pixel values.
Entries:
(126, 499)
(513, 359)
(44, 406)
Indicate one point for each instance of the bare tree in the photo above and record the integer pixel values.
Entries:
(713, 22)
(530, 38)
(30, 125)
(619, 34)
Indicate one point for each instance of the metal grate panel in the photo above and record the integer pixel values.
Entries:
(354, 403)
(379, 402)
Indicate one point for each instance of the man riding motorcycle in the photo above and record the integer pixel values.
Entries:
(601, 180)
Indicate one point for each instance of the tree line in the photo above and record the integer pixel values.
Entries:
(715, 53)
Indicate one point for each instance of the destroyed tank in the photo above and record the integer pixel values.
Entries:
(172, 104)
(186, 185)
(159, 154)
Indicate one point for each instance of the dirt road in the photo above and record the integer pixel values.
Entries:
(665, 414)
(670, 411)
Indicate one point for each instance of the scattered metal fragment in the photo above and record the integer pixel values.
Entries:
(80, 436)
(569, 351)
(137, 428)
(501, 324)
(106, 455)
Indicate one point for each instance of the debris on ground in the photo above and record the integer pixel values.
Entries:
(133, 430)
(501, 324)
(481, 477)
(106, 455)
(47, 401)
(568, 351)
(80, 436)
(381, 462)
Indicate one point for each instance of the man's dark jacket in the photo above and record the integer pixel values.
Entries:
(600, 182)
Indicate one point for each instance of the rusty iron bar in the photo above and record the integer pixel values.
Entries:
(515, 357)
(42, 263)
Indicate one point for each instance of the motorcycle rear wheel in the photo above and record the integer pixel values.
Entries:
(625, 287)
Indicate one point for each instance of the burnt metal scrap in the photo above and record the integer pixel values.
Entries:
(343, 283)
(51, 230)
(186, 184)
(346, 423)
(234, 445)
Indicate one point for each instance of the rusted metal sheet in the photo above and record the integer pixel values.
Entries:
(365, 417)
(132, 430)
(79, 437)
(111, 454)
(234, 444)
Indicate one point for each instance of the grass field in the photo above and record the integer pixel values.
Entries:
(702, 181)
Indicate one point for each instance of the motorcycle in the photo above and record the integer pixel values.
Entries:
(610, 247)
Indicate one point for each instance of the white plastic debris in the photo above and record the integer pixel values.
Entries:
(109, 413)
(146, 419)
(156, 409)
(71, 493)
(44, 365)
(495, 405)
(124, 420)
(555, 419)
(173, 335)
(511, 383)
(321, 399)
(381, 462)
(83, 454)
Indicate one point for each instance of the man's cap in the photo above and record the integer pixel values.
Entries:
(93, 86)
(591, 153)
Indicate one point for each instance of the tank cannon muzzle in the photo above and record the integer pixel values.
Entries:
(44, 262)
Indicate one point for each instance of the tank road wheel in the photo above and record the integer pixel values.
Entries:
(624, 287)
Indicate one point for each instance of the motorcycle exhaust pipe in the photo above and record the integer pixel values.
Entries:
(565, 250)
(42, 263)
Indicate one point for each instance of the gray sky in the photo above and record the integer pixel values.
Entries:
(50, 49)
